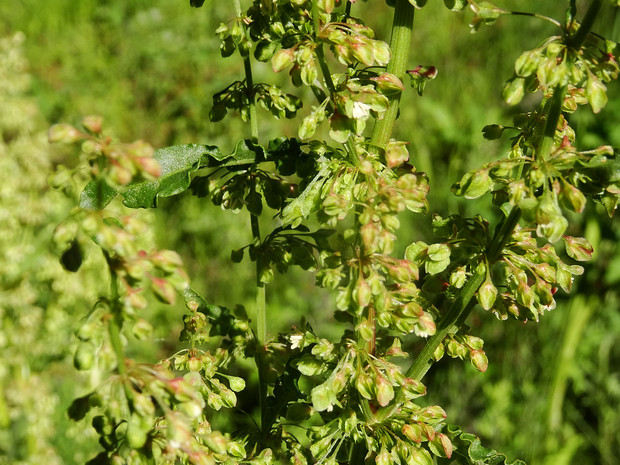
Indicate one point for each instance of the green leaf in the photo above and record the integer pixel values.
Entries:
(416, 251)
(237, 255)
(97, 195)
(323, 397)
(473, 184)
(469, 445)
(438, 252)
(177, 163)
(265, 50)
(514, 90)
(455, 5)
(254, 203)
(79, 407)
(310, 366)
(492, 131)
(301, 207)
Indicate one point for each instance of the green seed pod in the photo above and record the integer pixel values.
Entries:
(479, 360)
(93, 123)
(84, 357)
(487, 294)
(64, 133)
(413, 432)
(385, 391)
(163, 290)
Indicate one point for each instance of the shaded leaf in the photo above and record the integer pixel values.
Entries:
(71, 259)
(97, 195)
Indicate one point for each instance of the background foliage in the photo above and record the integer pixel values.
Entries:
(147, 67)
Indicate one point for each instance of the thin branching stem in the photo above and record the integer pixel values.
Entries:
(316, 20)
(536, 15)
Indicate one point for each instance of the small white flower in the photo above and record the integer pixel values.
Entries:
(360, 110)
(295, 340)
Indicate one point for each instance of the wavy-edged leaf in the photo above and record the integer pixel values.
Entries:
(471, 451)
(177, 163)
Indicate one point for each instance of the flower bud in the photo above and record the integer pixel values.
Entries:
(479, 360)
(282, 59)
(487, 294)
(64, 133)
(384, 458)
(164, 291)
(413, 432)
(385, 391)
(142, 330)
(388, 83)
(362, 293)
(578, 248)
(396, 153)
(148, 167)
(93, 123)
(167, 260)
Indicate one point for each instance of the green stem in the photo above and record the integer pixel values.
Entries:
(249, 80)
(261, 318)
(536, 15)
(115, 324)
(402, 28)
(577, 40)
(459, 309)
(316, 21)
(553, 109)
(261, 328)
(101, 162)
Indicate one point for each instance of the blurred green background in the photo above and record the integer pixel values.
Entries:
(552, 392)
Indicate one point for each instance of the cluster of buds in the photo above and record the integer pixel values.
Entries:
(205, 366)
(532, 276)
(354, 43)
(555, 64)
(117, 163)
(465, 347)
(149, 407)
(562, 180)
(118, 238)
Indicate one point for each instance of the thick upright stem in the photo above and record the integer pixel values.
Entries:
(261, 328)
(261, 318)
(586, 25)
(402, 27)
